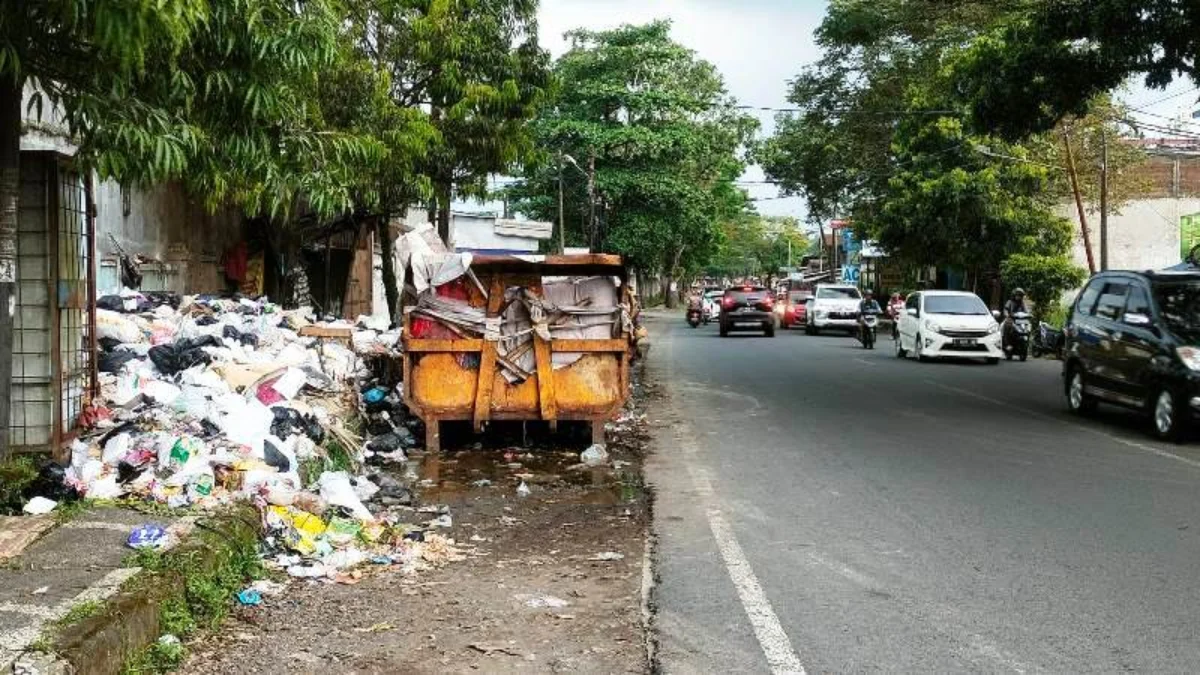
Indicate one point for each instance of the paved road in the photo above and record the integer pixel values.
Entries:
(837, 510)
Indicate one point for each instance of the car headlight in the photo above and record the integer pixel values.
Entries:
(821, 313)
(992, 329)
(1190, 357)
(930, 325)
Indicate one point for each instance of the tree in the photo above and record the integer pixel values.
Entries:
(1044, 277)
(661, 139)
(476, 66)
(1043, 61)
(217, 93)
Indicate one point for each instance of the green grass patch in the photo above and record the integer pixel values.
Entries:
(196, 583)
(16, 473)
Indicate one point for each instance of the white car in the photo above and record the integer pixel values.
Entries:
(833, 306)
(939, 324)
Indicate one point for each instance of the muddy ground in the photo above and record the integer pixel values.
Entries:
(552, 582)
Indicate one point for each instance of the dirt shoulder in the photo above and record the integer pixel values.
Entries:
(549, 582)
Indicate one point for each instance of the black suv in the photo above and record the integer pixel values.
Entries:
(748, 308)
(1133, 339)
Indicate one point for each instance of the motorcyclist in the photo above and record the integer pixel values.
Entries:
(869, 305)
(1015, 305)
(894, 309)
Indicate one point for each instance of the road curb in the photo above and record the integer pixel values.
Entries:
(131, 619)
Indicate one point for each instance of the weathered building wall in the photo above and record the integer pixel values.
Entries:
(1145, 235)
(163, 223)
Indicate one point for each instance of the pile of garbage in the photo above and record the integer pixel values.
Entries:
(207, 400)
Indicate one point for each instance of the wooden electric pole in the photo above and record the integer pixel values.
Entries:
(1087, 239)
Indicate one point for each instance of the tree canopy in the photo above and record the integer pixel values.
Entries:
(666, 140)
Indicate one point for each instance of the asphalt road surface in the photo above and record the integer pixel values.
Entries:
(822, 508)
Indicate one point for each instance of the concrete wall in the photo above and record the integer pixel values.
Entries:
(163, 223)
(473, 232)
(1145, 235)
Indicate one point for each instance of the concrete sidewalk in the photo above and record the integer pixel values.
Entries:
(77, 562)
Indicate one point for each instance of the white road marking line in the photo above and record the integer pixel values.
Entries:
(1082, 427)
(863, 361)
(771, 637)
(20, 638)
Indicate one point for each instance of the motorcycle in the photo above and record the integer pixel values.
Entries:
(1047, 340)
(695, 314)
(1017, 335)
(868, 323)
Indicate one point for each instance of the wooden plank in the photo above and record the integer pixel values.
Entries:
(614, 345)
(420, 345)
(487, 358)
(326, 332)
(545, 375)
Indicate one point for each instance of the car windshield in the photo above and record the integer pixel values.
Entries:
(838, 294)
(743, 295)
(1179, 305)
(967, 305)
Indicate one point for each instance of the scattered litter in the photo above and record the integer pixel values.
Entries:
(168, 640)
(608, 555)
(376, 628)
(488, 649)
(39, 505)
(148, 536)
(482, 482)
(250, 597)
(594, 456)
(443, 520)
(523, 490)
(40, 591)
(541, 601)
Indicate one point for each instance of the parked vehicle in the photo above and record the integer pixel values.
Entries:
(1017, 335)
(834, 306)
(867, 329)
(1133, 340)
(795, 309)
(940, 324)
(1047, 340)
(747, 308)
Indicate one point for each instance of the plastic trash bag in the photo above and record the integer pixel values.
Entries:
(336, 489)
(594, 456)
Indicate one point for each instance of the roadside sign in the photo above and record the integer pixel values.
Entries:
(850, 274)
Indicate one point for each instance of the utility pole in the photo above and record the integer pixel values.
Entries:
(562, 222)
(1103, 198)
(1087, 239)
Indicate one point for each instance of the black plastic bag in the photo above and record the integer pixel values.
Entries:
(273, 457)
(184, 354)
(206, 320)
(245, 338)
(108, 344)
(111, 362)
(113, 303)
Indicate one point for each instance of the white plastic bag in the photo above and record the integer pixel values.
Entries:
(116, 448)
(336, 489)
(117, 326)
(594, 456)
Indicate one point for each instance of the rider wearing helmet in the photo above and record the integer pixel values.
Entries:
(1015, 304)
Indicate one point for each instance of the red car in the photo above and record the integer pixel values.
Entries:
(794, 309)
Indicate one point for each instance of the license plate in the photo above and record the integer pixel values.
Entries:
(747, 323)
(964, 342)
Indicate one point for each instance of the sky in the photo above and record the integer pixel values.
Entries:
(758, 45)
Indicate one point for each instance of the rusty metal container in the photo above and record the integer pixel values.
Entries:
(439, 387)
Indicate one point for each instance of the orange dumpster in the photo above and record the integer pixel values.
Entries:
(456, 373)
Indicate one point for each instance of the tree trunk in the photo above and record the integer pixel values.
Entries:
(10, 186)
(442, 190)
(386, 246)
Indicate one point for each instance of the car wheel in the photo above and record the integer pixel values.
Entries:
(1078, 400)
(900, 351)
(1169, 415)
(920, 350)
(724, 329)
(769, 331)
